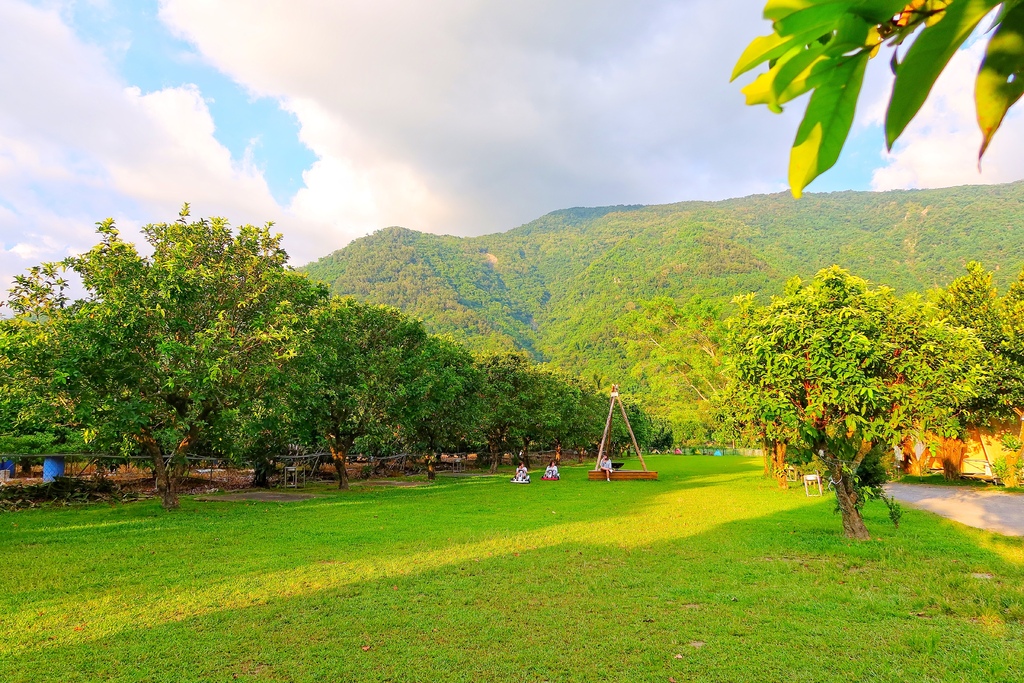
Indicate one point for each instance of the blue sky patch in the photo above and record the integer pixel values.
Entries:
(147, 55)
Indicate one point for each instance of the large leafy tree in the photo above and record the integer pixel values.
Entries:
(679, 360)
(824, 46)
(353, 375)
(851, 369)
(32, 421)
(161, 345)
(542, 393)
(751, 421)
(507, 384)
(580, 411)
(444, 399)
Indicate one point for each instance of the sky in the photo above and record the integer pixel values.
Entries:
(335, 118)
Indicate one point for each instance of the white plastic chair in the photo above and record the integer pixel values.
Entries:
(810, 480)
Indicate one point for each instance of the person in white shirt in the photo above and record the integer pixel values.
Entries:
(606, 466)
(522, 475)
(551, 473)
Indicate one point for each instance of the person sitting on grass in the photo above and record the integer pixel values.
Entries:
(522, 475)
(606, 466)
(551, 473)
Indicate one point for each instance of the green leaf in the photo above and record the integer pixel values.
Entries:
(798, 74)
(826, 123)
(926, 59)
(812, 66)
(780, 9)
(761, 49)
(797, 30)
(818, 19)
(1001, 77)
(875, 11)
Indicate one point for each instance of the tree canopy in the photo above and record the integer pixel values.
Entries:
(211, 346)
(847, 368)
(569, 288)
(161, 345)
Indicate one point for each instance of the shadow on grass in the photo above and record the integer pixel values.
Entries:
(613, 589)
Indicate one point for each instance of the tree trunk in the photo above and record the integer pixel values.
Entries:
(767, 452)
(951, 452)
(431, 474)
(165, 483)
(558, 452)
(853, 523)
(495, 457)
(26, 467)
(339, 456)
(526, 453)
(261, 473)
(779, 463)
(1012, 459)
(917, 466)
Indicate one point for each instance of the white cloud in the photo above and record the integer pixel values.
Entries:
(460, 116)
(940, 147)
(468, 116)
(457, 116)
(78, 145)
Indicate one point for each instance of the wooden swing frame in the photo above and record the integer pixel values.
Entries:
(618, 475)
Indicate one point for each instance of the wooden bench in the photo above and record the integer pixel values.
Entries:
(621, 475)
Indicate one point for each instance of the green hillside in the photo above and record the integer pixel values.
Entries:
(558, 286)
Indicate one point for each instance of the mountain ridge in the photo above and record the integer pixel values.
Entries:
(559, 286)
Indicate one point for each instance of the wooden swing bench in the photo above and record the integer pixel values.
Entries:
(618, 474)
(622, 475)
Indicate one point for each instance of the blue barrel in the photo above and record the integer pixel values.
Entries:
(7, 465)
(53, 466)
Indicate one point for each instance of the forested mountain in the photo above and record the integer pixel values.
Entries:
(560, 286)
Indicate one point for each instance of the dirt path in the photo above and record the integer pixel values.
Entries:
(992, 510)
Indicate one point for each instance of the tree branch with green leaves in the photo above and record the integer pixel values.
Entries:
(823, 47)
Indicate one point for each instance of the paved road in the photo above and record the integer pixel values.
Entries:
(981, 508)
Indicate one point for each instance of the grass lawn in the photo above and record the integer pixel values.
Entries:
(709, 574)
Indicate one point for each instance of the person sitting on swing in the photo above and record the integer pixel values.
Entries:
(551, 473)
(522, 475)
(606, 466)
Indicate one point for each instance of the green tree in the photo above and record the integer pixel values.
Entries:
(853, 369)
(580, 412)
(35, 416)
(353, 374)
(753, 422)
(542, 393)
(162, 345)
(973, 301)
(679, 361)
(444, 399)
(506, 384)
(823, 47)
